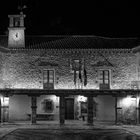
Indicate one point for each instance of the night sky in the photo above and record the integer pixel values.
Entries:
(108, 19)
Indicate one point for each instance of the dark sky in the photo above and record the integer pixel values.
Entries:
(108, 19)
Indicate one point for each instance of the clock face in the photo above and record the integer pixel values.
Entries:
(16, 36)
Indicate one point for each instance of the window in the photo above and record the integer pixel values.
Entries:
(104, 79)
(48, 78)
(76, 64)
(104, 76)
(47, 105)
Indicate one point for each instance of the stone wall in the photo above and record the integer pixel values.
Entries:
(128, 113)
(21, 69)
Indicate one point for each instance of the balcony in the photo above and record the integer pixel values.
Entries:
(48, 86)
(104, 86)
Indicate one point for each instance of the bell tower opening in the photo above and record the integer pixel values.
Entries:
(16, 36)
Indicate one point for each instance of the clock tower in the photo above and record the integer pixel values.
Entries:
(16, 36)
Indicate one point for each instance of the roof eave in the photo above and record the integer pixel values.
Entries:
(136, 49)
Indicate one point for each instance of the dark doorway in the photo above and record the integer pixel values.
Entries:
(69, 109)
(5, 113)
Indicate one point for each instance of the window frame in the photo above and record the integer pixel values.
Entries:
(103, 76)
(48, 77)
(46, 108)
(73, 62)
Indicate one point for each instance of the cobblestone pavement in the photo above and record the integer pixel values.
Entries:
(71, 131)
(95, 134)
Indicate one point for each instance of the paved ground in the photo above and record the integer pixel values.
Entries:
(74, 130)
(43, 134)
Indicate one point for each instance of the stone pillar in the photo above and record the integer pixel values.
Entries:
(34, 107)
(139, 112)
(90, 110)
(0, 112)
(139, 115)
(62, 110)
(116, 110)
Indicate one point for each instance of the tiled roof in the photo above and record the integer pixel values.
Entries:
(3, 40)
(75, 42)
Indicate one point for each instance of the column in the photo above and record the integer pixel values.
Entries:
(34, 107)
(139, 115)
(0, 112)
(116, 110)
(90, 110)
(139, 112)
(116, 115)
(62, 110)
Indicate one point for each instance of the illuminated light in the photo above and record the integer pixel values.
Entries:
(127, 101)
(1, 99)
(5, 101)
(55, 98)
(81, 99)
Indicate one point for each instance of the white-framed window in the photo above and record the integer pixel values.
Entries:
(48, 78)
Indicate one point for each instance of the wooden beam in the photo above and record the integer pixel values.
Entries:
(65, 92)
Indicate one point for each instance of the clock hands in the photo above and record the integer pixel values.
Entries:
(16, 35)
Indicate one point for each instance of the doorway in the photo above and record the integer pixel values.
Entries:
(69, 109)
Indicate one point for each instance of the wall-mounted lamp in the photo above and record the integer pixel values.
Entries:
(81, 99)
(5, 101)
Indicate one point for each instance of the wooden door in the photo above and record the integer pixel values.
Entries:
(69, 109)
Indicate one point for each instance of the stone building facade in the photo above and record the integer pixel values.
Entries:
(67, 63)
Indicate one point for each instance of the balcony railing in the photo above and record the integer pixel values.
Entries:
(48, 86)
(104, 86)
